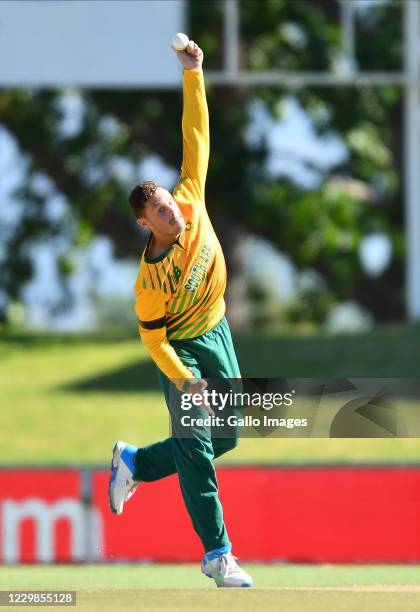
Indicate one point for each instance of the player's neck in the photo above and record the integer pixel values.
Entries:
(160, 244)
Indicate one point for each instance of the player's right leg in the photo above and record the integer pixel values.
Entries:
(131, 465)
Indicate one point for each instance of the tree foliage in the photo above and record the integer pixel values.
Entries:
(318, 228)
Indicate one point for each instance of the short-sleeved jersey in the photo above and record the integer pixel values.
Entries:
(180, 293)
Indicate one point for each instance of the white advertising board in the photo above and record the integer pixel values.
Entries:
(99, 43)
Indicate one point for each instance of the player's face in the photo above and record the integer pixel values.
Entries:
(162, 215)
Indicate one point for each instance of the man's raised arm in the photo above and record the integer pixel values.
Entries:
(195, 120)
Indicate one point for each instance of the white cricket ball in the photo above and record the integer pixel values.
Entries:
(180, 41)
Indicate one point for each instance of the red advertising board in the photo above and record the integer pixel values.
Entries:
(39, 513)
(304, 514)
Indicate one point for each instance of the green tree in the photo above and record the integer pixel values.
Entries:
(319, 228)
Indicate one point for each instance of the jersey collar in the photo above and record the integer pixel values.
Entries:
(179, 242)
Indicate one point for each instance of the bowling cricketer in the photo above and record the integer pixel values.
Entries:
(181, 311)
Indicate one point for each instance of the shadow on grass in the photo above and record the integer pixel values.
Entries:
(131, 378)
(386, 353)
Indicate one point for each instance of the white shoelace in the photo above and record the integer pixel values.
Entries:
(227, 563)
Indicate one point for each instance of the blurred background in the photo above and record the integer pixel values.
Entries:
(312, 188)
(306, 172)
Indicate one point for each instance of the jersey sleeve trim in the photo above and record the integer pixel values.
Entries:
(155, 324)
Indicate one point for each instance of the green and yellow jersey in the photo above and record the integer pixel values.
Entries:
(180, 293)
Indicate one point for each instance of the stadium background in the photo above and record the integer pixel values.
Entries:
(313, 190)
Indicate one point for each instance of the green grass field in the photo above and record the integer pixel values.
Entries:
(67, 398)
(295, 588)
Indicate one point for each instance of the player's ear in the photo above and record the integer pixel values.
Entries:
(142, 222)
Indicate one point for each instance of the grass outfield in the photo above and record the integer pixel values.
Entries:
(295, 588)
(66, 399)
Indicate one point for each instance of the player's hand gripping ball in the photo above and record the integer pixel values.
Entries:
(180, 41)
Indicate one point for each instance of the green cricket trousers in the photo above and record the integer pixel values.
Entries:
(211, 355)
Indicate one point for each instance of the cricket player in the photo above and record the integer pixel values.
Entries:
(180, 306)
